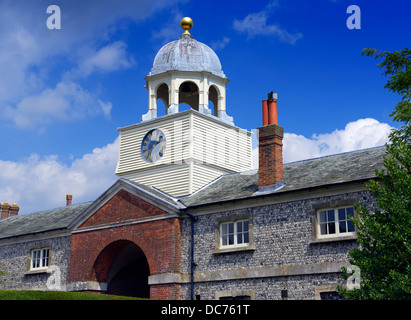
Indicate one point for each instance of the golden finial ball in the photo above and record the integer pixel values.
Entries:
(186, 23)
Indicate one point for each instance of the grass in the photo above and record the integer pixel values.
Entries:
(58, 295)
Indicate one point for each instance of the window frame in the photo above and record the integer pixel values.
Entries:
(250, 246)
(43, 258)
(235, 234)
(336, 216)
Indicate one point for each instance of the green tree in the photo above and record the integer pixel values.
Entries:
(384, 234)
(397, 65)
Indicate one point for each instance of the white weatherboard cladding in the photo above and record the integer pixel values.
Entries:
(177, 148)
(199, 149)
(224, 146)
(203, 174)
(169, 179)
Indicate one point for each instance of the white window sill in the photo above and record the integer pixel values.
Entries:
(233, 249)
(37, 271)
(333, 239)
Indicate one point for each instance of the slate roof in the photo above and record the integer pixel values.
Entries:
(42, 221)
(328, 170)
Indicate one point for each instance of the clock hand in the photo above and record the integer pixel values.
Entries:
(157, 147)
(158, 142)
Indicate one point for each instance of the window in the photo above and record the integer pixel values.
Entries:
(40, 258)
(328, 293)
(332, 295)
(236, 298)
(335, 222)
(234, 233)
(235, 295)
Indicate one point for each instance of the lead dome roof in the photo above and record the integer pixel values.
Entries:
(187, 54)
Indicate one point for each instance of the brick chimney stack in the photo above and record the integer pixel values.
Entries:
(69, 198)
(14, 210)
(5, 211)
(270, 146)
(8, 211)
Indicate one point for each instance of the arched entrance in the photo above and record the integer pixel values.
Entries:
(124, 267)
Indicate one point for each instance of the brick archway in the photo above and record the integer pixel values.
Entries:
(93, 252)
(122, 220)
(105, 259)
(124, 267)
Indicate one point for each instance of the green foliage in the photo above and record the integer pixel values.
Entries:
(397, 65)
(384, 234)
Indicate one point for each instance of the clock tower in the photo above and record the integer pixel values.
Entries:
(182, 151)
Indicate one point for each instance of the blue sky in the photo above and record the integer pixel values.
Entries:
(63, 93)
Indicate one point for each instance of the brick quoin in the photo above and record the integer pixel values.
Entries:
(93, 251)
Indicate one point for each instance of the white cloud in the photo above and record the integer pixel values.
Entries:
(18, 51)
(255, 24)
(168, 31)
(33, 95)
(220, 44)
(28, 49)
(68, 101)
(39, 183)
(360, 134)
(106, 59)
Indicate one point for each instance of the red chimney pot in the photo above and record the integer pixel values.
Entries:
(265, 112)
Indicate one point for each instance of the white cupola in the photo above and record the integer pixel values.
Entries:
(187, 71)
(184, 150)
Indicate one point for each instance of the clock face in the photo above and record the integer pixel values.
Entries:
(153, 145)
